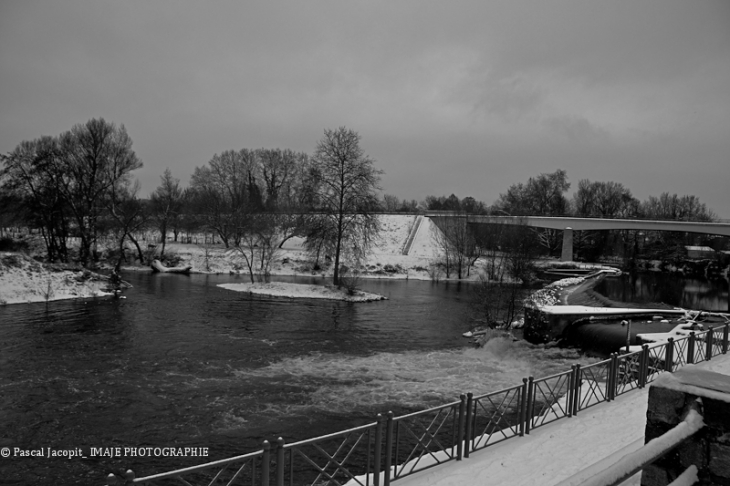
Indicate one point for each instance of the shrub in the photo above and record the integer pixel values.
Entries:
(172, 259)
(436, 270)
(350, 281)
(9, 244)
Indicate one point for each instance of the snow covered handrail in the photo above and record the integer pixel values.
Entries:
(634, 462)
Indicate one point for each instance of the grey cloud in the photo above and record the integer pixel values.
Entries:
(576, 129)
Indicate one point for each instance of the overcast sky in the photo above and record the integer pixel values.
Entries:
(449, 97)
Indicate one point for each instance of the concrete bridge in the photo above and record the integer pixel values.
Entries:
(568, 225)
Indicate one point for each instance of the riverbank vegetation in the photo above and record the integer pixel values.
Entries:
(76, 194)
(25, 280)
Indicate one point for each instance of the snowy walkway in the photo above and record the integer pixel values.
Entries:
(559, 450)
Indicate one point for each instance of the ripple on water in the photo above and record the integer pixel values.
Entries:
(412, 379)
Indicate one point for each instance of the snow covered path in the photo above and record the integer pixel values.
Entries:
(555, 452)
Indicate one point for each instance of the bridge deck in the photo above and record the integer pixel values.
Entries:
(582, 224)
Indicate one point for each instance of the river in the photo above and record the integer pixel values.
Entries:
(181, 362)
(685, 292)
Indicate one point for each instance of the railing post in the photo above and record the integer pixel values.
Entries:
(610, 381)
(644, 366)
(129, 477)
(528, 414)
(469, 419)
(523, 407)
(710, 336)
(388, 448)
(460, 427)
(576, 391)
(265, 463)
(571, 385)
(378, 450)
(669, 355)
(691, 348)
(725, 335)
(280, 462)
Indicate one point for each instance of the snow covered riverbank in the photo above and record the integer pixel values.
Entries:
(23, 280)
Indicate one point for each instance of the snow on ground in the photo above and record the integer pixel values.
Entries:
(595, 438)
(386, 259)
(292, 290)
(36, 283)
(23, 280)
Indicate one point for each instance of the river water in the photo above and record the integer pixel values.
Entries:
(181, 362)
(685, 292)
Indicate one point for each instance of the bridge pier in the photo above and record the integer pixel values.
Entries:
(567, 253)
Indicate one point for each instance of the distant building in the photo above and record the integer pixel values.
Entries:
(699, 252)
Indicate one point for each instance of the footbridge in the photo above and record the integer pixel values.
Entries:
(567, 225)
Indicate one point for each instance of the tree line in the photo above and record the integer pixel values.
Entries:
(546, 195)
(80, 184)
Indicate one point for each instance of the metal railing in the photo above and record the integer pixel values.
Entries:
(632, 463)
(394, 447)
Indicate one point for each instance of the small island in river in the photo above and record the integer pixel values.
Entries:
(303, 291)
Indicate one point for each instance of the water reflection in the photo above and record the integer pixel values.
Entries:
(689, 293)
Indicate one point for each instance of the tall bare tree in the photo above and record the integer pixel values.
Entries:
(30, 176)
(129, 216)
(167, 202)
(455, 238)
(345, 195)
(225, 193)
(540, 196)
(97, 158)
(72, 177)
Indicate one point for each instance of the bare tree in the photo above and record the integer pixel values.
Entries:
(513, 249)
(29, 178)
(166, 201)
(391, 203)
(72, 177)
(225, 192)
(456, 241)
(258, 244)
(346, 194)
(129, 215)
(540, 196)
(97, 158)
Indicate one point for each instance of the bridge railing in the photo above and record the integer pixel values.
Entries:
(395, 447)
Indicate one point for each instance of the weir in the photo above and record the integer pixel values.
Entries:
(395, 448)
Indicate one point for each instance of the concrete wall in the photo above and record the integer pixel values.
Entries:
(670, 398)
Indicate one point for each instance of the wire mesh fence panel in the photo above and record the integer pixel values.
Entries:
(717, 337)
(681, 350)
(628, 372)
(425, 439)
(331, 460)
(700, 348)
(592, 385)
(495, 417)
(549, 399)
(655, 361)
(245, 470)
